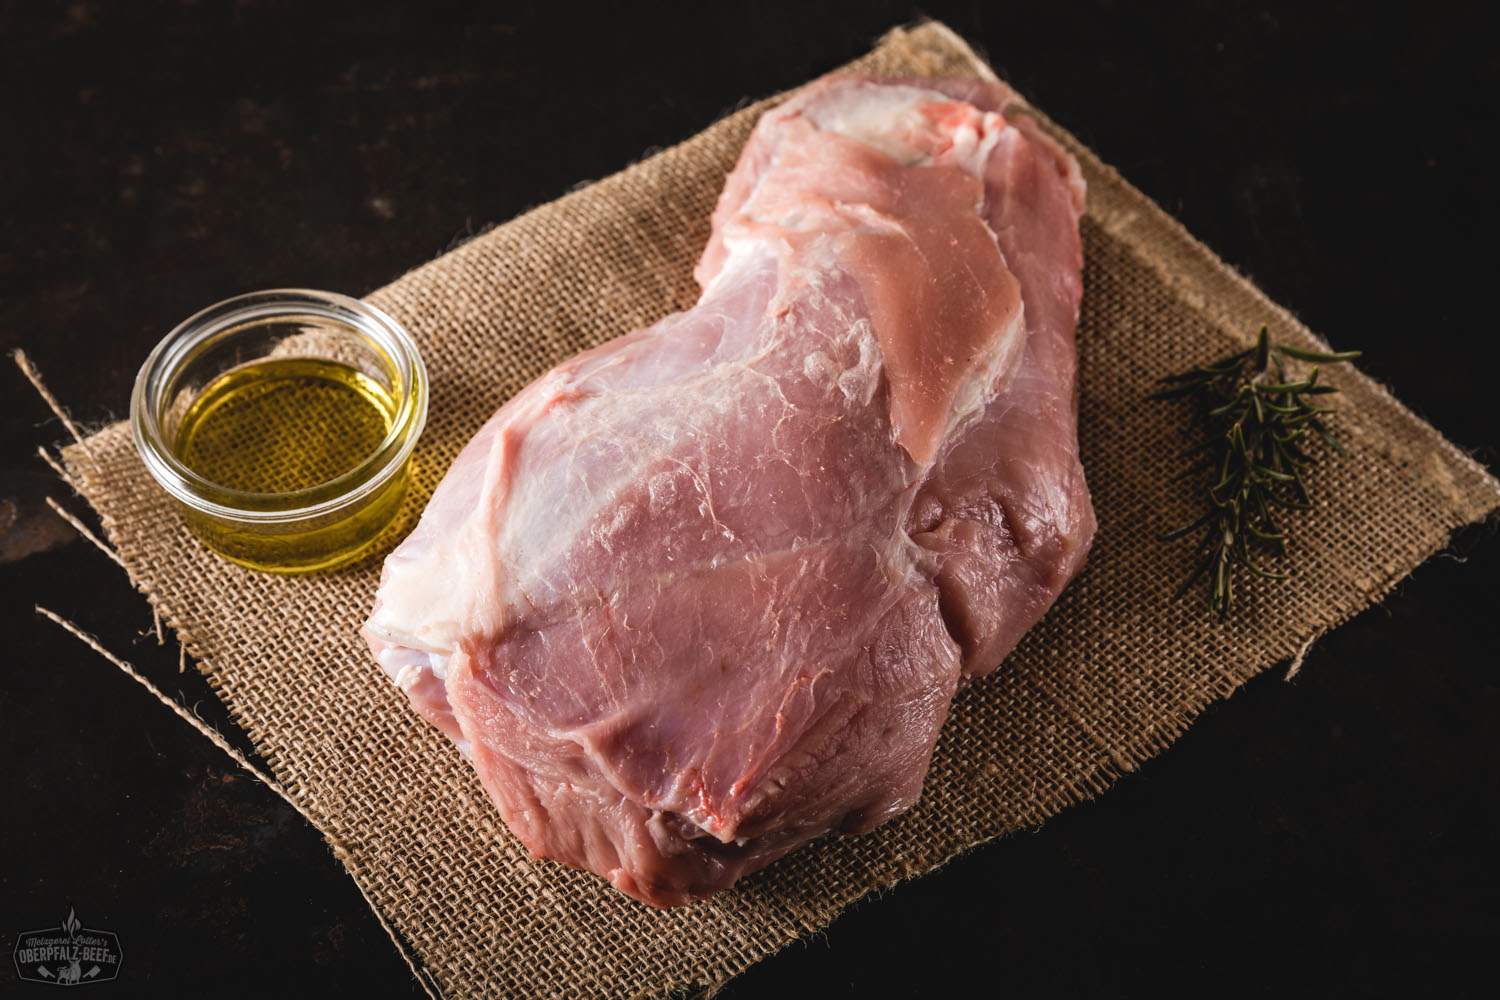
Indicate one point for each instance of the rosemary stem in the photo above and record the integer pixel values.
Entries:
(1255, 418)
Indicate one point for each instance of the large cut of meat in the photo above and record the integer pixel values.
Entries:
(702, 594)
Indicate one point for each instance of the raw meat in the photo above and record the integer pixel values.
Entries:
(704, 593)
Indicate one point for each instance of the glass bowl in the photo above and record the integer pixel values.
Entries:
(283, 422)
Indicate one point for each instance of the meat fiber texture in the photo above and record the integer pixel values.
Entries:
(702, 594)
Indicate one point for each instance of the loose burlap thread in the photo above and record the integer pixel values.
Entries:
(1113, 673)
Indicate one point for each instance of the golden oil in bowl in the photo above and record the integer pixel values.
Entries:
(283, 424)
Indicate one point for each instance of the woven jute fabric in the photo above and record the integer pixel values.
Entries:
(1114, 672)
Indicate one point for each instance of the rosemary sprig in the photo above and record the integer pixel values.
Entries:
(1257, 421)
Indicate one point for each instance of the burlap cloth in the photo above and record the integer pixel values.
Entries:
(1115, 671)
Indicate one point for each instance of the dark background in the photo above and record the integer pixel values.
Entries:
(1333, 832)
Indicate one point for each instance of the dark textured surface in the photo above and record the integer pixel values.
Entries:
(162, 156)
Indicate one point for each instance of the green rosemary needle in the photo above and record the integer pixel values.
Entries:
(1257, 422)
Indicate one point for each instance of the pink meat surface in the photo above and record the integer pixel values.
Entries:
(704, 593)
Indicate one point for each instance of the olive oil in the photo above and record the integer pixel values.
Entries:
(283, 425)
(291, 433)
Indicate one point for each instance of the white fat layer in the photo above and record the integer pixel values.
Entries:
(877, 116)
(418, 621)
(405, 664)
(738, 249)
(407, 676)
(424, 596)
(886, 117)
